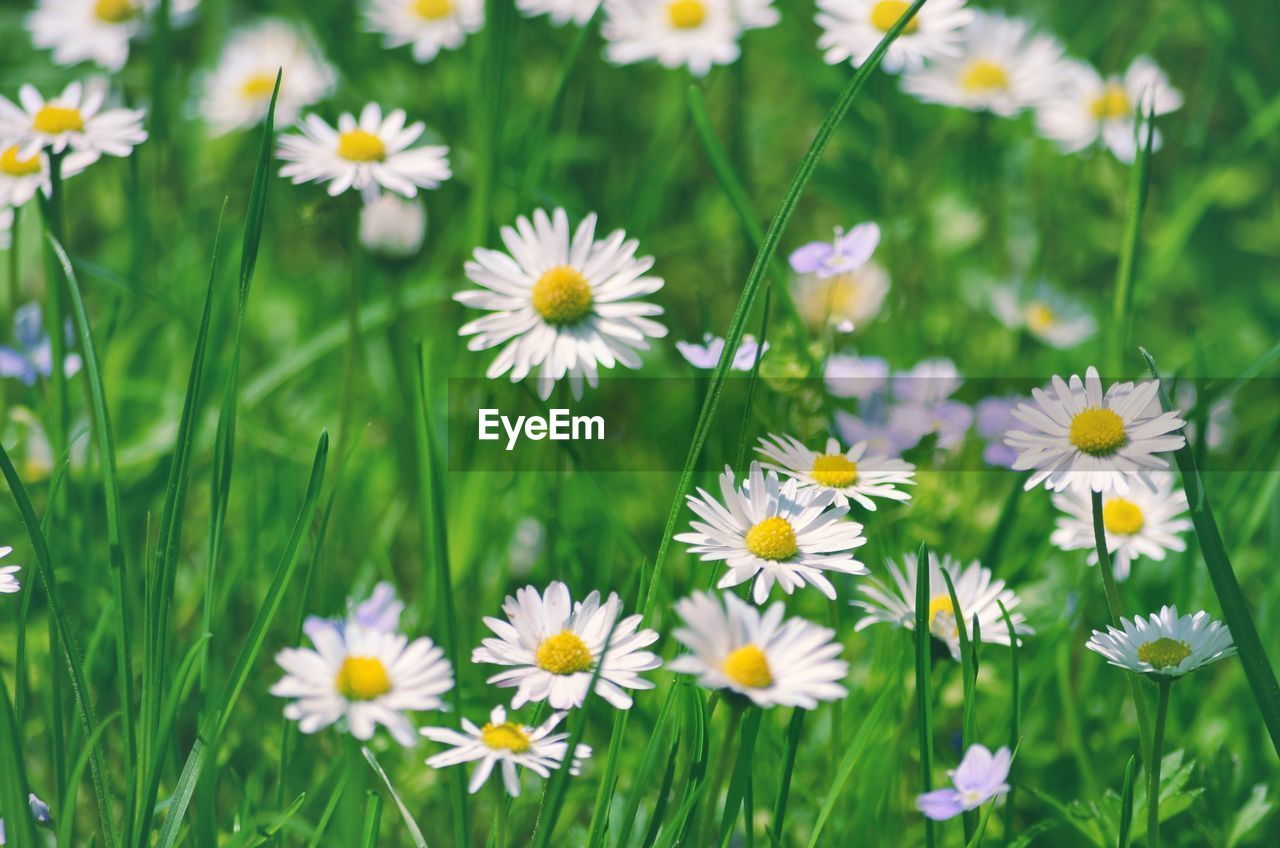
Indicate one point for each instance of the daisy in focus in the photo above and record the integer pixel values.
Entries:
(237, 93)
(8, 574)
(1142, 522)
(367, 154)
(1164, 644)
(757, 655)
(850, 474)
(980, 777)
(429, 26)
(976, 591)
(507, 743)
(837, 283)
(1002, 67)
(553, 647)
(697, 34)
(561, 12)
(772, 532)
(1047, 314)
(1095, 109)
(74, 121)
(561, 305)
(851, 30)
(361, 678)
(707, 355)
(1083, 438)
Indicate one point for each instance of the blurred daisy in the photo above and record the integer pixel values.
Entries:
(976, 591)
(21, 177)
(847, 252)
(756, 14)
(1090, 108)
(695, 33)
(843, 300)
(1164, 644)
(31, 356)
(74, 120)
(707, 354)
(8, 574)
(851, 29)
(429, 25)
(237, 93)
(554, 646)
(1047, 314)
(505, 742)
(1002, 67)
(1085, 439)
(559, 305)
(756, 655)
(380, 612)
(851, 474)
(368, 154)
(393, 226)
(362, 678)
(1142, 522)
(860, 377)
(770, 532)
(560, 11)
(980, 777)
(96, 31)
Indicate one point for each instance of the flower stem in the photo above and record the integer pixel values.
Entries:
(718, 775)
(1153, 767)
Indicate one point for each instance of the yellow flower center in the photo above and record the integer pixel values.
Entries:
(114, 11)
(507, 736)
(748, 666)
(562, 295)
(57, 119)
(258, 86)
(1164, 652)
(13, 166)
(1097, 431)
(686, 14)
(361, 146)
(1122, 517)
(942, 617)
(564, 653)
(835, 470)
(773, 539)
(1111, 104)
(363, 679)
(982, 76)
(886, 13)
(1040, 318)
(433, 10)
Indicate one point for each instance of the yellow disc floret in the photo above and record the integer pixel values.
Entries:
(564, 653)
(363, 679)
(1122, 517)
(53, 119)
(748, 666)
(772, 539)
(361, 146)
(507, 736)
(835, 470)
(14, 166)
(1164, 652)
(942, 617)
(114, 11)
(562, 295)
(1040, 318)
(1097, 431)
(686, 14)
(982, 76)
(1113, 103)
(886, 13)
(258, 86)
(433, 10)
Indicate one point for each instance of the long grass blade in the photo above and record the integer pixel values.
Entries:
(924, 673)
(1015, 713)
(789, 752)
(19, 828)
(1139, 182)
(415, 832)
(372, 818)
(969, 676)
(653, 749)
(1126, 803)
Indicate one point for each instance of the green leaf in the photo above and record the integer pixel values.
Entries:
(20, 829)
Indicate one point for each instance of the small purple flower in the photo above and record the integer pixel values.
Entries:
(929, 381)
(848, 252)
(980, 777)
(855, 376)
(950, 419)
(994, 419)
(380, 612)
(707, 354)
(32, 355)
(882, 439)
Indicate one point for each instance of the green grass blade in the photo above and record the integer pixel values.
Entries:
(1126, 803)
(1015, 712)
(66, 818)
(415, 833)
(968, 676)
(740, 780)
(1139, 182)
(608, 783)
(19, 827)
(788, 766)
(372, 817)
(653, 749)
(924, 672)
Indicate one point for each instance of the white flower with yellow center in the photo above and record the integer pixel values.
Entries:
(976, 591)
(428, 25)
(8, 574)
(1092, 108)
(1164, 644)
(1002, 67)
(553, 647)
(506, 742)
(851, 30)
(237, 93)
(561, 12)
(773, 532)
(560, 305)
(362, 677)
(1090, 440)
(1140, 523)
(368, 154)
(74, 120)
(851, 474)
(1046, 313)
(697, 34)
(757, 655)
(96, 31)
(847, 299)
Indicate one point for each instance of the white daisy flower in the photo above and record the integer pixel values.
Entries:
(363, 677)
(237, 93)
(8, 574)
(695, 33)
(1002, 67)
(563, 306)
(851, 30)
(756, 655)
(844, 300)
(74, 120)
(756, 14)
(1164, 644)
(1142, 522)
(429, 25)
(774, 532)
(976, 591)
(96, 31)
(561, 12)
(506, 742)
(1091, 108)
(369, 154)
(553, 647)
(851, 474)
(1047, 314)
(1092, 441)
(21, 177)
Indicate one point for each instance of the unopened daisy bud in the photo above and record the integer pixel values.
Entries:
(392, 226)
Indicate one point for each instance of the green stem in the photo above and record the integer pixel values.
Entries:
(718, 774)
(1153, 768)
(354, 338)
